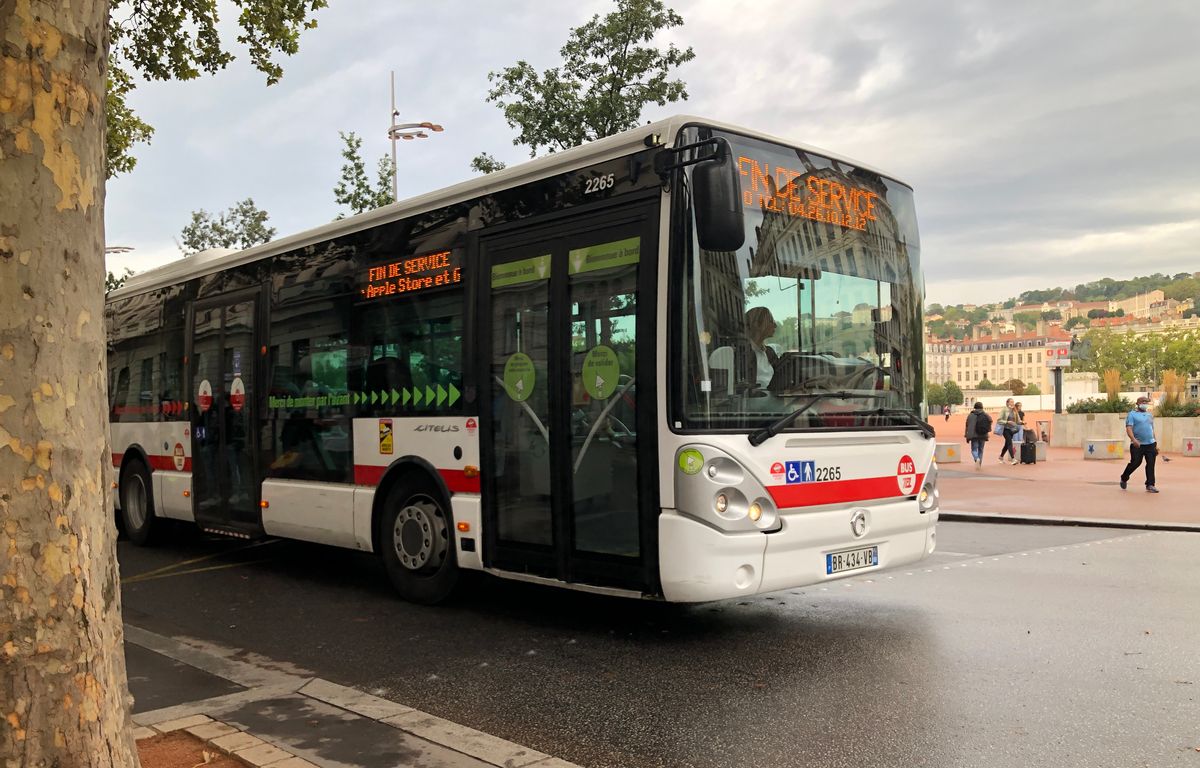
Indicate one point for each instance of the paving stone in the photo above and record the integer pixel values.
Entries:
(183, 722)
(294, 762)
(549, 762)
(140, 733)
(263, 754)
(211, 730)
(232, 742)
(354, 700)
(469, 741)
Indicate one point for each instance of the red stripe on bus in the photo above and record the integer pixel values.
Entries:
(456, 479)
(158, 462)
(839, 491)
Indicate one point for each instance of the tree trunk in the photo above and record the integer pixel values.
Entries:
(63, 694)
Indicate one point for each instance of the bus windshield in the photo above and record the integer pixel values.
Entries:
(823, 299)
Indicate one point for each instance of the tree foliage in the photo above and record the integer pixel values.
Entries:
(242, 226)
(609, 73)
(1032, 389)
(180, 39)
(1016, 386)
(935, 395)
(113, 282)
(954, 393)
(485, 163)
(985, 385)
(354, 189)
(1140, 359)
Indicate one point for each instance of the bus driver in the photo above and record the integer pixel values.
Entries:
(760, 326)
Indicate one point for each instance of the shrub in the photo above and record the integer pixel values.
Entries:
(1191, 408)
(1101, 405)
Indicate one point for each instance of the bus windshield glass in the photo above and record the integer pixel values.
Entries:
(823, 299)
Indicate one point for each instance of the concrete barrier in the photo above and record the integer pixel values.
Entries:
(1191, 446)
(1100, 448)
(1040, 452)
(949, 453)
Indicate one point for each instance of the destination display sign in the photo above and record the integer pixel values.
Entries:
(805, 194)
(418, 273)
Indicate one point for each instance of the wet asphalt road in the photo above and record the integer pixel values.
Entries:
(1013, 646)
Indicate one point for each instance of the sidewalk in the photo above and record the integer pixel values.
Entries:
(264, 714)
(1066, 488)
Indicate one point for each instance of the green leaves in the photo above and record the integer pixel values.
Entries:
(608, 75)
(178, 40)
(242, 226)
(353, 188)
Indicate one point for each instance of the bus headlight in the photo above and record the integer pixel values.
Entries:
(712, 486)
(730, 504)
(722, 503)
(928, 497)
(755, 512)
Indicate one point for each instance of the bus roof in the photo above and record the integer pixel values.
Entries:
(215, 260)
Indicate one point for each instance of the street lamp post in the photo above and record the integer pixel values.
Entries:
(407, 132)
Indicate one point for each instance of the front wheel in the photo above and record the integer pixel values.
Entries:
(417, 543)
(137, 503)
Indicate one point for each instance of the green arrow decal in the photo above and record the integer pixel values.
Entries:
(374, 398)
(454, 393)
(406, 397)
(416, 396)
(428, 395)
(441, 393)
(395, 396)
(354, 397)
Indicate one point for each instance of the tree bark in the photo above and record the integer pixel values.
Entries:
(63, 693)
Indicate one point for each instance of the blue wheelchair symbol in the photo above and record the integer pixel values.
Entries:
(800, 471)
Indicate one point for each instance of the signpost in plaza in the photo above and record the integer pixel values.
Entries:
(1058, 356)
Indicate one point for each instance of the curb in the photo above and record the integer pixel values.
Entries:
(228, 740)
(1090, 522)
(263, 683)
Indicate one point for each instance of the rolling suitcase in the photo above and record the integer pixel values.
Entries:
(1029, 453)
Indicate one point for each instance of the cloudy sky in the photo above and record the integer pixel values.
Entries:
(1049, 144)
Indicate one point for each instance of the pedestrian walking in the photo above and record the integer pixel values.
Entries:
(1139, 425)
(979, 426)
(946, 412)
(1009, 423)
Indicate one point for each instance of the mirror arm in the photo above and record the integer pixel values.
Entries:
(670, 159)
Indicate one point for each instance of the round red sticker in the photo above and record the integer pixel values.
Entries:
(204, 396)
(237, 394)
(179, 461)
(906, 475)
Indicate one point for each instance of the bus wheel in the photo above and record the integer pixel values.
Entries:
(417, 543)
(137, 503)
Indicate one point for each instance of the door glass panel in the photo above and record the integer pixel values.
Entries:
(603, 337)
(521, 402)
(224, 468)
(206, 432)
(237, 378)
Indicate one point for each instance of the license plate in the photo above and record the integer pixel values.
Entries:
(851, 560)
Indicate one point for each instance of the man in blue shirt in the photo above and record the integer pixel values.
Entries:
(1139, 425)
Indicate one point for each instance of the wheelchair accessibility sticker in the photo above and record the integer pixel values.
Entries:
(801, 471)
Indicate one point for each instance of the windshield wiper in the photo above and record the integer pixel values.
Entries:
(772, 429)
(905, 415)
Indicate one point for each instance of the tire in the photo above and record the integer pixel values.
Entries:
(416, 539)
(137, 504)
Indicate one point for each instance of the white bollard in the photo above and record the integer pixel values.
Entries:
(948, 453)
(1097, 448)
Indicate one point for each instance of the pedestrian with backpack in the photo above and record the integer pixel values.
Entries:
(979, 426)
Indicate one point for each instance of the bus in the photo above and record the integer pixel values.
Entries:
(681, 363)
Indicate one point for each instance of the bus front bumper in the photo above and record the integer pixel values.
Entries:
(698, 563)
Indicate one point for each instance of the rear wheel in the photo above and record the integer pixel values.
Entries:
(137, 503)
(417, 542)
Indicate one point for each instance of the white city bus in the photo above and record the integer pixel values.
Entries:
(683, 362)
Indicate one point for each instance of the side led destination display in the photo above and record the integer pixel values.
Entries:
(805, 194)
(419, 273)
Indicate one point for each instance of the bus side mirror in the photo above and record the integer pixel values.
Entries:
(717, 195)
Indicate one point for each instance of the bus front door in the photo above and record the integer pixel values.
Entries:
(225, 487)
(569, 479)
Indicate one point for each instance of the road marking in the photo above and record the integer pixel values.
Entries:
(152, 576)
(194, 560)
